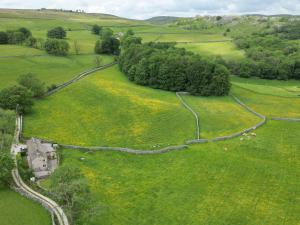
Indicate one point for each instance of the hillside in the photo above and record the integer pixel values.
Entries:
(149, 156)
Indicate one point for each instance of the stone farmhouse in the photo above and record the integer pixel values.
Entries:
(42, 158)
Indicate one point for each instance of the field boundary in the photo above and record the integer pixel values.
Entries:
(286, 119)
(79, 77)
(200, 42)
(127, 150)
(41, 55)
(26, 191)
(247, 89)
(172, 148)
(238, 134)
(184, 103)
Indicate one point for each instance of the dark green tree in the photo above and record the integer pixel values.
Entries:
(25, 31)
(108, 45)
(96, 29)
(6, 166)
(57, 32)
(16, 97)
(15, 37)
(3, 38)
(31, 82)
(56, 47)
(70, 188)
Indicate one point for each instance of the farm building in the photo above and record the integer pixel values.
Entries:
(42, 157)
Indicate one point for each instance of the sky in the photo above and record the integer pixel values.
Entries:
(143, 9)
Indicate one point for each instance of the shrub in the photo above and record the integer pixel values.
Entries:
(31, 82)
(6, 166)
(16, 97)
(25, 31)
(51, 87)
(57, 32)
(56, 47)
(15, 37)
(108, 45)
(3, 37)
(31, 42)
(96, 29)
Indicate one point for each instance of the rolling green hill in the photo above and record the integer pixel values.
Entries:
(250, 180)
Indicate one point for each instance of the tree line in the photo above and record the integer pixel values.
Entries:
(163, 66)
(270, 53)
(54, 44)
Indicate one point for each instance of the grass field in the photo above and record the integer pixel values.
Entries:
(227, 50)
(278, 88)
(106, 109)
(50, 69)
(191, 37)
(17, 210)
(234, 182)
(220, 116)
(269, 105)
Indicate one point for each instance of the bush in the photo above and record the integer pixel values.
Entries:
(96, 29)
(3, 38)
(6, 166)
(30, 81)
(56, 47)
(16, 97)
(31, 42)
(51, 87)
(25, 31)
(57, 32)
(108, 45)
(15, 37)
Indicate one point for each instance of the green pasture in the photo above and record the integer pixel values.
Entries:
(50, 69)
(105, 109)
(225, 49)
(192, 37)
(220, 116)
(267, 104)
(17, 210)
(279, 88)
(255, 181)
(17, 50)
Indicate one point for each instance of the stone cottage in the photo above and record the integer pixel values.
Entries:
(42, 158)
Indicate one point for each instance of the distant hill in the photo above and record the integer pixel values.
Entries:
(163, 19)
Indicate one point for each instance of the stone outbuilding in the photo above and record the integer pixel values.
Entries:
(42, 158)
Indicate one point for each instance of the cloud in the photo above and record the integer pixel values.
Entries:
(141, 9)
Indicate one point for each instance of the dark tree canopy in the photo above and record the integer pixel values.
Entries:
(96, 29)
(56, 47)
(108, 45)
(57, 32)
(70, 188)
(3, 38)
(15, 37)
(270, 53)
(16, 97)
(31, 82)
(25, 31)
(6, 166)
(163, 66)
